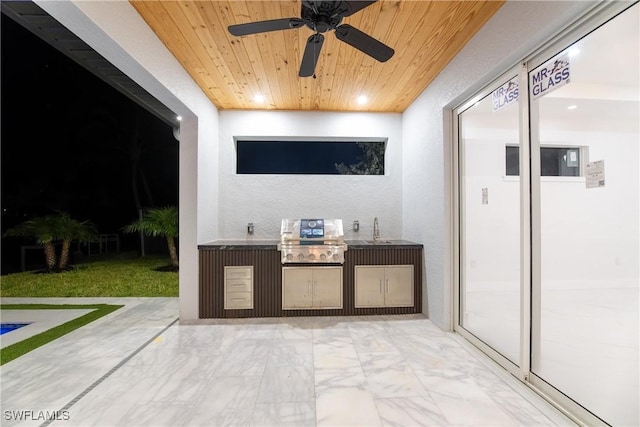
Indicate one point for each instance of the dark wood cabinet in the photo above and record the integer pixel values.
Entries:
(267, 278)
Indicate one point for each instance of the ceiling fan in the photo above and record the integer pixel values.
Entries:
(322, 16)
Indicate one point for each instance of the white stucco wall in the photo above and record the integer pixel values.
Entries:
(265, 199)
(510, 35)
(116, 31)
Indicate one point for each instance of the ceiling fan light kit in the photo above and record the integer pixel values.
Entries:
(322, 16)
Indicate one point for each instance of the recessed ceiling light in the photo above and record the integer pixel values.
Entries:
(362, 99)
(572, 107)
(179, 118)
(259, 99)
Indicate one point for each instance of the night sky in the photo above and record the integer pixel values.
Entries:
(73, 143)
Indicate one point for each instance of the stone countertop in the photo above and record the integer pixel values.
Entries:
(273, 244)
(382, 243)
(240, 244)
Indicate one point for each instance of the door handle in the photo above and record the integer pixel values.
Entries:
(380, 285)
(387, 291)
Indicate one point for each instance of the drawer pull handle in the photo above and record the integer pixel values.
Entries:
(237, 285)
(239, 299)
(238, 274)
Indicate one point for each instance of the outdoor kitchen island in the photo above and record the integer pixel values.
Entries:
(248, 278)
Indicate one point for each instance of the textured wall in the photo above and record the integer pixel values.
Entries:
(266, 199)
(511, 34)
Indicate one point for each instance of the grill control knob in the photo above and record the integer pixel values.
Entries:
(335, 256)
(300, 257)
(323, 257)
(311, 256)
(329, 253)
(289, 256)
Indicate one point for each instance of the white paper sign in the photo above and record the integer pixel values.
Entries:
(594, 174)
(505, 95)
(550, 76)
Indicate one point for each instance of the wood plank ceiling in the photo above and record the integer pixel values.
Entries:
(232, 71)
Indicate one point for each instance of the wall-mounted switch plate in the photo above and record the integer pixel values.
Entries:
(250, 228)
(356, 225)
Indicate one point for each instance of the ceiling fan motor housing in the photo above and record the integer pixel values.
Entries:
(322, 16)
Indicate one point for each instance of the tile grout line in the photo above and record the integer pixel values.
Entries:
(111, 371)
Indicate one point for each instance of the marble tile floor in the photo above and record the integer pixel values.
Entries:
(135, 367)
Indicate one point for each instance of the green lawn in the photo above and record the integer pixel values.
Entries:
(122, 275)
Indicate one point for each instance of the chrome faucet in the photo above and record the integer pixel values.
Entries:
(376, 229)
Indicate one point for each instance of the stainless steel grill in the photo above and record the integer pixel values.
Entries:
(318, 241)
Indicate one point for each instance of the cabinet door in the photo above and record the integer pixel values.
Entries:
(327, 287)
(369, 286)
(399, 286)
(296, 288)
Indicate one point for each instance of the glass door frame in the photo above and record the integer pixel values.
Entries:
(458, 229)
(589, 23)
(530, 221)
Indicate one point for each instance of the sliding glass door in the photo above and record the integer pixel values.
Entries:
(549, 219)
(490, 218)
(584, 103)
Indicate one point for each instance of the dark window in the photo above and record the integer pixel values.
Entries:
(554, 161)
(513, 160)
(310, 157)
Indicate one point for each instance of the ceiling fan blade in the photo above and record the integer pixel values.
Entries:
(311, 54)
(265, 26)
(364, 42)
(356, 5)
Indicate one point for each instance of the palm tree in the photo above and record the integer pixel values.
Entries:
(68, 230)
(159, 222)
(44, 230)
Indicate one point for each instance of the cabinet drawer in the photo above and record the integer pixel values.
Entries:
(238, 273)
(238, 300)
(238, 285)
